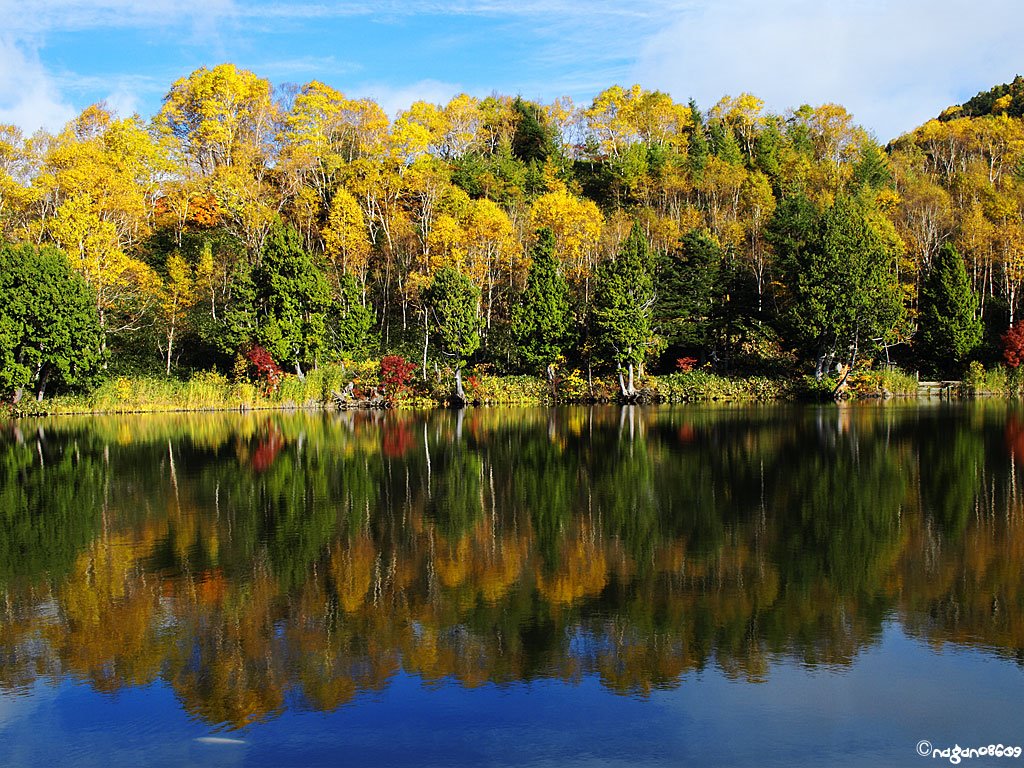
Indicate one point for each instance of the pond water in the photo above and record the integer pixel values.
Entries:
(568, 587)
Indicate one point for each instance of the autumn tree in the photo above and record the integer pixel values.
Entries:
(576, 225)
(346, 240)
(222, 122)
(178, 295)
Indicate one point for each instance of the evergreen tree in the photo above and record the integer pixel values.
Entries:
(872, 168)
(839, 272)
(697, 150)
(623, 300)
(237, 328)
(948, 327)
(687, 288)
(350, 326)
(724, 144)
(768, 149)
(540, 320)
(534, 139)
(293, 298)
(49, 328)
(452, 300)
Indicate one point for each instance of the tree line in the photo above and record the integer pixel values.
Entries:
(632, 232)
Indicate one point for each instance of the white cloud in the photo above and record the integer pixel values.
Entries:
(123, 102)
(892, 64)
(305, 66)
(394, 99)
(29, 96)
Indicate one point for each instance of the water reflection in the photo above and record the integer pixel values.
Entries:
(266, 561)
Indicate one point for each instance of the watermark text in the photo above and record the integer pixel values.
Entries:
(956, 753)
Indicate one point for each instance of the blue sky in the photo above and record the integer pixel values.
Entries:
(893, 63)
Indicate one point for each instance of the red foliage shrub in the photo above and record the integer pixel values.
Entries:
(395, 374)
(685, 364)
(1013, 345)
(269, 371)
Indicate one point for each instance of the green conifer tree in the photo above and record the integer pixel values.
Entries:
(687, 289)
(452, 301)
(49, 328)
(948, 326)
(623, 301)
(540, 319)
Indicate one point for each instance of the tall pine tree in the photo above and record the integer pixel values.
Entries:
(540, 320)
(948, 326)
(621, 313)
(452, 299)
(687, 289)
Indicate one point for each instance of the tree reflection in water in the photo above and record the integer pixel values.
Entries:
(256, 562)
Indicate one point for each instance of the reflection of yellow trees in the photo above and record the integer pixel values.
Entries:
(490, 561)
(187, 592)
(581, 572)
(22, 659)
(226, 668)
(352, 570)
(109, 629)
(968, 591)
(636, 663)
(336, 657)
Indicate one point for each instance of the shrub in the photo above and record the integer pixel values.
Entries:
(268, 371)
(395, 375)
(979, 381)
(1013, 345)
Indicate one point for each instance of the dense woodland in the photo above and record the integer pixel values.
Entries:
(616, 237)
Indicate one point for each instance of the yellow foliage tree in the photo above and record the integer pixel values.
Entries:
(121, 283)
(346, 239)
(576, 224)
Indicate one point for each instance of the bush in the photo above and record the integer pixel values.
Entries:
(1013, 345)
(509, 390)
(978, 381)
(395, 374)
(702, 385)
(868, 382)
(267, 371)
(572, 386)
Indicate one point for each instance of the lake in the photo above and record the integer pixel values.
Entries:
(729, 586)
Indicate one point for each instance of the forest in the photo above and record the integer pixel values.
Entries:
(261, 232)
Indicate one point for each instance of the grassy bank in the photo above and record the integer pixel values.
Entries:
(360, 385)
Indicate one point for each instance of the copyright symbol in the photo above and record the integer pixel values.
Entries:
(924, 747)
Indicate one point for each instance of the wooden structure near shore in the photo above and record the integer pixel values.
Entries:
(941, 389)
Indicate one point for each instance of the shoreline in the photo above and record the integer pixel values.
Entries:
(358, 387)
(40, 410)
